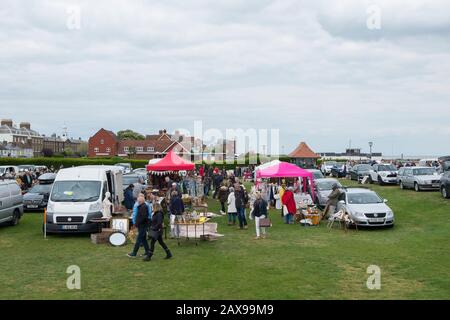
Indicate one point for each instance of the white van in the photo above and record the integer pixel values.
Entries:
(77, 195)
(11, 202)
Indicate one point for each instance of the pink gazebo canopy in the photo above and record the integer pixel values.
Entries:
(171, 162)
(286, 170)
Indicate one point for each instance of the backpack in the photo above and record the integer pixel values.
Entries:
(142, 215)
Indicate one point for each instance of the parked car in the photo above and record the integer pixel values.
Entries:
(317, 174)
(126, 167)
(47, 178)
(37, 197)
(140, 171)
(8, 171)
(326, 167)
(383, 174)
(340, 171)
(419, 178)
(445, 163)
(323, 188)
(26, 167)
(366, 208)
(359, 171)
(131, 179)
(445, 185)
(11, 202)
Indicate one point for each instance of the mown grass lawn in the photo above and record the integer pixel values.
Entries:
(293, 263)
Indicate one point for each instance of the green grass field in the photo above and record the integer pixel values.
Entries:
(293, 263)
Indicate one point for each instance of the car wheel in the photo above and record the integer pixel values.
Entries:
(370, 180)
(401, 185)
(416, 187)
(380, 181)
(16, 218)
(445, 193)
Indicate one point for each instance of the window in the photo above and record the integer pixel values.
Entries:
(96, 150)
(108, 150)
(150, 149)
(139, 149)
(126, 149)
(102, 141)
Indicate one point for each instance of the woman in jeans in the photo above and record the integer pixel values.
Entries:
(289, 201)
(156, 232)
(259, 212)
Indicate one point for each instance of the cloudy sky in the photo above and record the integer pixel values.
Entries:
(312, 69)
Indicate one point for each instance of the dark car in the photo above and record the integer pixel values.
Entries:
(339, 171)
(37, 197)
(445, 185)
(359, 171)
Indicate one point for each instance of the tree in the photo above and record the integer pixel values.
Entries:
(129, 135)
(132, 152)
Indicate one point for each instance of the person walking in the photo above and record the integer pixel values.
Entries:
(176, 208)
(141, 220)
(259, 212)
(289, 203)
(232, 211)
(156, 232)
(240, 202)
(128, 197)
(223, 197)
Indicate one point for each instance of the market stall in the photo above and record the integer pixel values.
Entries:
(280, 169)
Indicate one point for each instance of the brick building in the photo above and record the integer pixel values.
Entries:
(105, 143)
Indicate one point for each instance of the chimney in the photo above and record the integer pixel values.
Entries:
(25, 125)
(7, 122)
(160, 132)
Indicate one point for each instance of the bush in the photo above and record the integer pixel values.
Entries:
(70, 162)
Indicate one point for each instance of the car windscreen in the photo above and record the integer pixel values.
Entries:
(330, 163)
(317, 175)
(127, 180)
(41, 189)
(387, 168)
(364, 167)
(76, 191)
(363, 198)
(327, 185)
(424, 172)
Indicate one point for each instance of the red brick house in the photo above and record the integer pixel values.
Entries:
(106, 144)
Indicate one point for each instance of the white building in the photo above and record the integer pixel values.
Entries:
(22, 135)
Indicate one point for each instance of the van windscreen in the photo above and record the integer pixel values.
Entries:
(76, 191)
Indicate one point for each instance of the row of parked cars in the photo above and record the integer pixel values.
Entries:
(418, 178)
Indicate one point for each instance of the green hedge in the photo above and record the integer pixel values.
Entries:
(70, 162)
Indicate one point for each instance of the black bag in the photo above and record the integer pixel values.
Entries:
(142, 215)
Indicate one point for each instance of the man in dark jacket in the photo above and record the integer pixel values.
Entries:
(218, 179)
(141, 219)
(176, 208)
(128, 197)
(223, 198)
(241, 201)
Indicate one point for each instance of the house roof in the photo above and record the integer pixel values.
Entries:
(303, 151)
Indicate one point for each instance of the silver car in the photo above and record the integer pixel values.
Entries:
(11, 202)
(366, 208)
(419, 178)
(323, 188)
